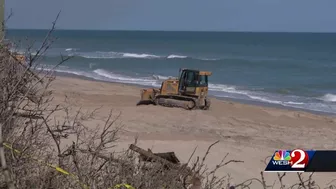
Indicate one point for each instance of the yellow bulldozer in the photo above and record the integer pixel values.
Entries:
(20, 57)
(188, 91)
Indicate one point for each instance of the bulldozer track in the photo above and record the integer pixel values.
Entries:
(173, 105)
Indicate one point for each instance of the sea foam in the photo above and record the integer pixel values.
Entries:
(328, 97)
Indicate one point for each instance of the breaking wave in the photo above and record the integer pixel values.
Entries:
(116, 55)
(71, 49)
(133, 55)
(125, 79)
(176, 56)
(328, 98)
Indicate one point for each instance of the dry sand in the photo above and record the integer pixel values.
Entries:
(247, 132)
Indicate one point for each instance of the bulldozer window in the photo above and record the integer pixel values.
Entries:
(203, 82)
(192, 79)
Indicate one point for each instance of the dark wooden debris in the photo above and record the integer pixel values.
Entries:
(169, 156)
(164, 158)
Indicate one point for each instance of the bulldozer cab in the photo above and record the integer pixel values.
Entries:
(192, 80)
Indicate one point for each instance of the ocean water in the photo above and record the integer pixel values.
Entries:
(290, 69)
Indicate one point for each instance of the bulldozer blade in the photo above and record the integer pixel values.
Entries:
(147, 96)
(145, 102)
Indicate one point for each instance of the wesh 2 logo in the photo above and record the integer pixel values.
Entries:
(296, 158)
(284, 160)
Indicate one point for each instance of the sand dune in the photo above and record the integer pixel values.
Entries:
(247, 132)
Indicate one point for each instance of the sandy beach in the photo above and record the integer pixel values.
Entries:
(247, 132)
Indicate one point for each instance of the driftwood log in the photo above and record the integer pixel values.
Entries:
(168, 158)
(164, 158)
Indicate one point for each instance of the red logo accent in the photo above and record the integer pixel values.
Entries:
(299, 159)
